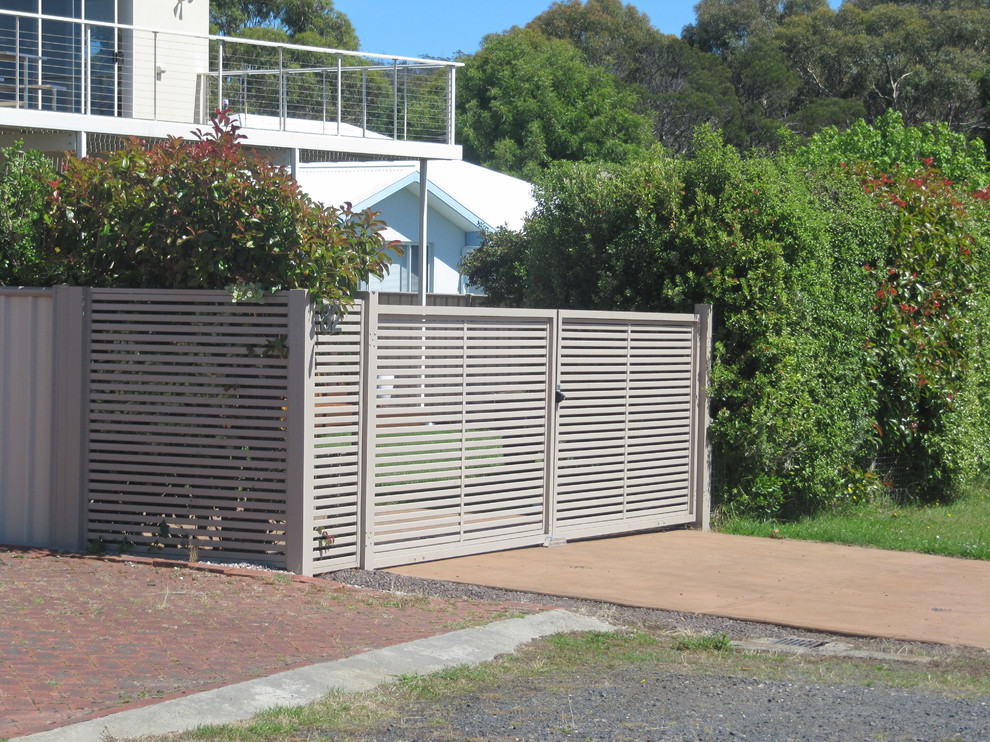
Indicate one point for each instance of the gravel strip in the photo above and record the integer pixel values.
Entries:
(631, 705)
(643, 703)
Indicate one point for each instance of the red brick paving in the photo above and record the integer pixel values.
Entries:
(82, 637)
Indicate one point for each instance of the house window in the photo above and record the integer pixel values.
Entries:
(403, 274)
(60, 65)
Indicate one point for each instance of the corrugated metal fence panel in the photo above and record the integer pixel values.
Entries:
(187, 423)
(27, 372)
(461, 409)
(336, 478)
(625, 428)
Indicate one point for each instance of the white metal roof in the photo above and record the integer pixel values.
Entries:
(484, 198)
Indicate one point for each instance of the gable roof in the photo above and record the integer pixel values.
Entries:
(473, 196)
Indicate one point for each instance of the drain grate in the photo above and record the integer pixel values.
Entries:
(793, 641)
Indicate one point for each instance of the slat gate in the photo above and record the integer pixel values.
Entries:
(411, 433)
(625, 430)
(335, 489)
(458, 432)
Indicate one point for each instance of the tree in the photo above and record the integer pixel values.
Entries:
(207, 214)
(724, 27)
(526, 101)
(678, 87)
(890, 146)
(684, 88)
(923, 59)
(308, 22)
(608, 33)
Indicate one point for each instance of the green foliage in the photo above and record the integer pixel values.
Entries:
(204, 214)
(776, 252)
(753, 69)
(852, 306)
(499, 266)
(526, 101)
(308, 22)
(889, 145)
(679, 86)
(24, 178)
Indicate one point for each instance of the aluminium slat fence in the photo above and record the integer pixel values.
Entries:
(180, 423)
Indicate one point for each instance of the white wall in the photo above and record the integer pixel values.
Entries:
(163, 69)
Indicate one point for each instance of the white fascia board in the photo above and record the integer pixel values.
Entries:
(381, 195)
(25, 118)
(474, 221)
(471, 222)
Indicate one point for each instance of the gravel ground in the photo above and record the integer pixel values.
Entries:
(644, 703)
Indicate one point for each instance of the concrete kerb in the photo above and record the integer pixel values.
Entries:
(362, 672)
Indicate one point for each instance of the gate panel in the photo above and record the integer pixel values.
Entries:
(335, 488)
(187, 428)
(624, 439)
(461, 431)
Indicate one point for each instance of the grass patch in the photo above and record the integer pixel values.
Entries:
(559, 663)
(703, 643)
(960, 528)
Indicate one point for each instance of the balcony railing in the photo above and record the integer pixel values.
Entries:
(56, 64)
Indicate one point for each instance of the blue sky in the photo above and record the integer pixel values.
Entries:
(438, 28)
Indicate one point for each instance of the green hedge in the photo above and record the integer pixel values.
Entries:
(805, 387)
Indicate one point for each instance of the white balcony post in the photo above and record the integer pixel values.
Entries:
(395, 99)
(282, 103)
(451, 102)
(220, 106)
(340, 93)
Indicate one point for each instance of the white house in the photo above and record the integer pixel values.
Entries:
(463, 200)
(77, 75)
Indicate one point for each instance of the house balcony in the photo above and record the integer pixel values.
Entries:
(71, 84)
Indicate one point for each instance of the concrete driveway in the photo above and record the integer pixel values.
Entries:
(828, 587)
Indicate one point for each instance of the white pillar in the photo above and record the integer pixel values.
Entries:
(424, 188)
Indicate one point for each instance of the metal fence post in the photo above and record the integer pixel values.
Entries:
(70, 418)
(702, 453)
(300, 424)
(555, 340)
(368, 431)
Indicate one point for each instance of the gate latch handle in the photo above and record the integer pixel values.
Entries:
(560, 396)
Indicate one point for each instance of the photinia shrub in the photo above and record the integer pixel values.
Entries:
(206, 213)
(924, 355)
